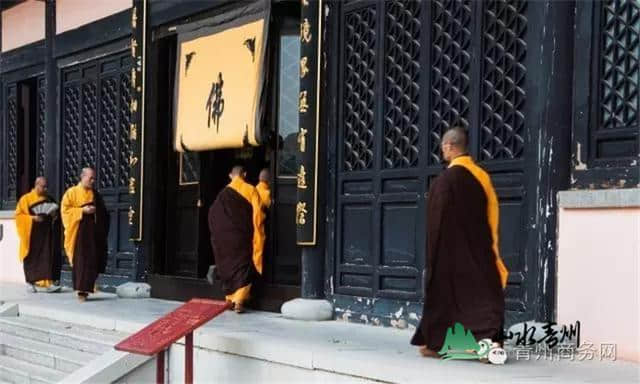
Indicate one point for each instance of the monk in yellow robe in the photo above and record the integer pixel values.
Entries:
(236, 223)
(35, 231)
(465, 274)
(264, 191)
(263, 188)
(86, 226)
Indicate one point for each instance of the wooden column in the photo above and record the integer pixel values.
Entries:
(136, 127)
(309, 207)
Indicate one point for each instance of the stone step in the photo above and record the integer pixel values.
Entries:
(79, 337)
(21, 372)
(47, 355)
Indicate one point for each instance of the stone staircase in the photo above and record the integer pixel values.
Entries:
(39, 350)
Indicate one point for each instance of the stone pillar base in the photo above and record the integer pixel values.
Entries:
(307, 309)
(211, 274)
(133, 290)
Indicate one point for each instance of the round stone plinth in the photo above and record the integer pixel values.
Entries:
(134, 290)
(307, 309)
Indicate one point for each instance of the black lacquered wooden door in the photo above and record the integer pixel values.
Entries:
(380, 219)
(95, 122)
(285, 257)
(407, 72)
(183, 210)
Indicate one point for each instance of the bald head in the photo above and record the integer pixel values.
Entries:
(457, 137)
(88, 177)
(40, 185)
(454, 143)
(87, 171)
(264, 175)
(238, 171)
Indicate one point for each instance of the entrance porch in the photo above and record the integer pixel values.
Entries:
(265, 347)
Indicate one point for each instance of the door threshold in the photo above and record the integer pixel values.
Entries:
(181, 288)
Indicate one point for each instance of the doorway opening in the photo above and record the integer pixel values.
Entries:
(188, 183)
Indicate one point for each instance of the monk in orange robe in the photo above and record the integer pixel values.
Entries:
(35, 231)
(86, 226)
(236, 223)
(465, 274)
(263, 188)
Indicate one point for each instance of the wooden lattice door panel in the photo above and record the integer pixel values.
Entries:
(95, 117)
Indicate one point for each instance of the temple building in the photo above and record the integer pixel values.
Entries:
(345, 102)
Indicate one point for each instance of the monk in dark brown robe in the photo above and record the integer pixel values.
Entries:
(36, 213)
(236, 223)
(86, 226)
(465, 274)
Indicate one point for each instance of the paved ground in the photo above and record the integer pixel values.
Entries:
(382, 354)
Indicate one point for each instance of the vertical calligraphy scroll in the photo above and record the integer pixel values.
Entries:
(308, 105)
(136, 123)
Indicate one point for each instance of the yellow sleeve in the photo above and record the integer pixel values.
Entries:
(494, 217)
(71, 217)
(258, 230)
(24, 223)
(265, 195)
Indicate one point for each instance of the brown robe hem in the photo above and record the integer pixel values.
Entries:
(231, 227)
(462, 284)
(90, 252)
(40, 263)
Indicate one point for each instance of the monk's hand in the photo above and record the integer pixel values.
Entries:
(37, 219)
(89, 209)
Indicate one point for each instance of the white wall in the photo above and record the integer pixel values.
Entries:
(71, 14)
(216, 367)
(146, 373)
(599, 276)
(10, 267)
(22, 24)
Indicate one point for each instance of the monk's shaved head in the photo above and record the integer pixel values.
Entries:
(237, 171)
(457, 137)
(454, 143)
(41, 185)
(87, 177)
(86, 171)
(264, 175)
